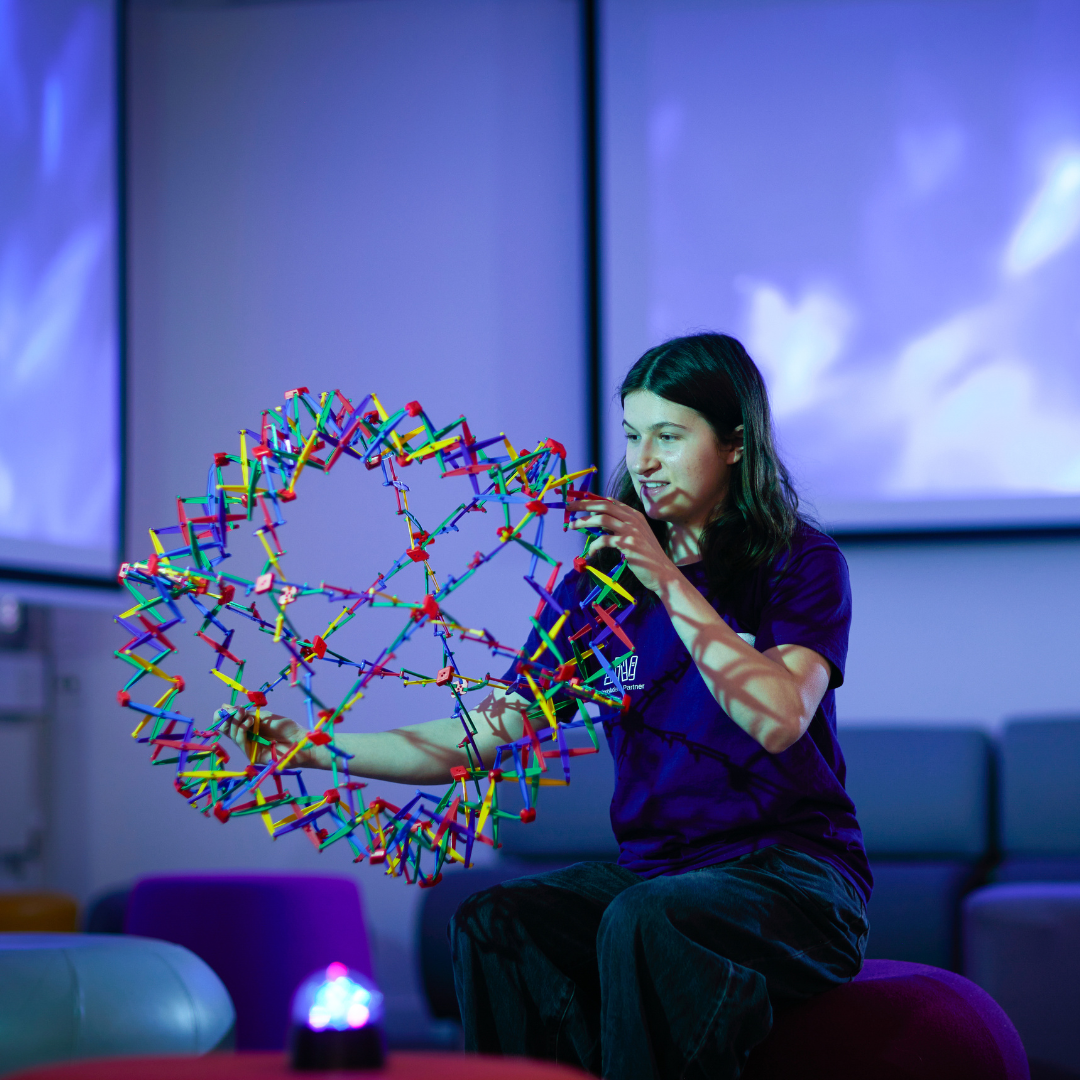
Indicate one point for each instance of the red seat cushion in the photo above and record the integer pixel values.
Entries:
(267, 1066)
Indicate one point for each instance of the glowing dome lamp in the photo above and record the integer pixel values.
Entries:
(337, 1018)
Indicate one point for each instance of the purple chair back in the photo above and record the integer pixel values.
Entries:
(261, 933)
(893, 1021)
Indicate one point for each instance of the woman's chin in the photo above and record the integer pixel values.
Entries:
(663, 510)
(656, 511)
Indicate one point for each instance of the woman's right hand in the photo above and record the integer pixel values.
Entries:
(282, 732)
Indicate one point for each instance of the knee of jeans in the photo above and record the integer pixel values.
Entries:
(473, 912)
(634, 914)
(492, 922)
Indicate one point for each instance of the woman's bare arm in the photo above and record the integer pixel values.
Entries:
(417, 754)
(772, 695)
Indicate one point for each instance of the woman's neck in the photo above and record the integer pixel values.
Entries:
(684, 544)
(685, 538)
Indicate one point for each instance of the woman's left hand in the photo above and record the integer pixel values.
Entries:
(629, 533)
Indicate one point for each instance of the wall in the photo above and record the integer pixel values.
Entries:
(962, 630)
(367, 195)
(24, 713)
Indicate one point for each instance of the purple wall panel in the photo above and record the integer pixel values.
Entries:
(367, 194)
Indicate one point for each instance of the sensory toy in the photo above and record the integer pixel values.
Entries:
(186, 582)
(337, 1022)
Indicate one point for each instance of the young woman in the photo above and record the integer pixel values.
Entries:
(742, 880)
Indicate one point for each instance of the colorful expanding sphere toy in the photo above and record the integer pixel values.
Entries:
(252, 488)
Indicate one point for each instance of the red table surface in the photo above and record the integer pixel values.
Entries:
(257, 1066)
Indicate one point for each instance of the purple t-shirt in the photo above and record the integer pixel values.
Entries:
(691, 787)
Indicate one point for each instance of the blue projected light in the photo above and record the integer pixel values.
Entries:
(883, 202)
(337, 1016)
(59, 340)
(337, 998)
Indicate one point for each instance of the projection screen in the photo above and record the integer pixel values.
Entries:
(59, 339)
(881, 199)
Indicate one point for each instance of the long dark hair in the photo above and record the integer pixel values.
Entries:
(712, 374)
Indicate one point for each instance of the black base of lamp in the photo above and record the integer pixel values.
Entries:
(321, 1051)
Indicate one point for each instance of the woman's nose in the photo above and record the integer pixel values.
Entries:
(645, 459)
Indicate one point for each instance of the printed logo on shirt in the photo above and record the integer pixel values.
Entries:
(626, 672)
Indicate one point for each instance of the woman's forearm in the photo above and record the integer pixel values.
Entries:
(771, 697)
(760, 694)
(418, 754)
(425, 753)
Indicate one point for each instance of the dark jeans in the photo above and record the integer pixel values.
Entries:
(667, 978)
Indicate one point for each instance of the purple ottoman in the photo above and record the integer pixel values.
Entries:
(893, 1021)
(1022, 945)
(261, 933)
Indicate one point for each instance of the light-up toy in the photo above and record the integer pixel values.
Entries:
(337, 1018)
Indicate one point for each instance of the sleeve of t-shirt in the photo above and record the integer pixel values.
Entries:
(809, 604)
(566, 596)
